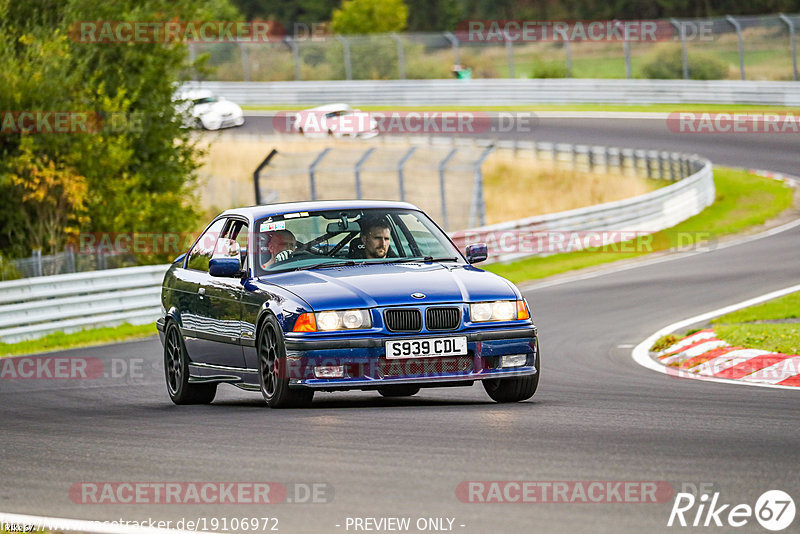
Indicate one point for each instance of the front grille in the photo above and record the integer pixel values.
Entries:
(403, 320)
(442, 318)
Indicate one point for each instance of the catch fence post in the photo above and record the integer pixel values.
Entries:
(442, 168)
(400, 176)
(312, 169)
(359, 165)
(738, 28)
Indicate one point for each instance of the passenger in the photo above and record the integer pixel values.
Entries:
(281, 245)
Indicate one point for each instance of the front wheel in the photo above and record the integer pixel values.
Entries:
(515, 389)
(176, 370)
(511, 389)
(272, 370)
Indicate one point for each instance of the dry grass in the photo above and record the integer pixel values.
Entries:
(515, 186)
(522, 187)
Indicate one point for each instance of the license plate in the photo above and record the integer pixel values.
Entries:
(426, 348)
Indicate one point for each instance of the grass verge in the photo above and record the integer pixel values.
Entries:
(742, 201)
(746, 327)
(784, 338)
(785, 307)
(664, 342)
(84, 338)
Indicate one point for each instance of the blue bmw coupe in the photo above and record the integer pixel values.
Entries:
(292, 298)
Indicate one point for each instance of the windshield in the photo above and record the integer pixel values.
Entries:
(205, 100)
(308, 240)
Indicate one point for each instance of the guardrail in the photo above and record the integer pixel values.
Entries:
(644, 214)
(33, 307)
(483, 92)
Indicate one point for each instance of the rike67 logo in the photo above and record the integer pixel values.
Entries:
(774, 510)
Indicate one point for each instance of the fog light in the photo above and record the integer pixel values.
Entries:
(513, 360)
(329, 371)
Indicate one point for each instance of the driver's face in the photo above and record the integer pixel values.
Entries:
(376, 242)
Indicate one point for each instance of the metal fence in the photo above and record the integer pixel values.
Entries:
(749, 47)
(441, 175)
(65, 262)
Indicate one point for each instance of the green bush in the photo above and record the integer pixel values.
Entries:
(8, 270)
(548, 69)
(667, 64)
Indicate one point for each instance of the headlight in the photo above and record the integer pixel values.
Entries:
(501, 310)
(343, 320)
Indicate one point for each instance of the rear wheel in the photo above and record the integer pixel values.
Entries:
(400, 390)
(271, 366)
(176, 371)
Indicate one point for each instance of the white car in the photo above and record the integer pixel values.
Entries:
(209, 111)
(337, 120)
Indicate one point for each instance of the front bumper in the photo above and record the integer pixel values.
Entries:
(365, 365)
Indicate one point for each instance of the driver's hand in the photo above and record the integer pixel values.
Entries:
(283, 255)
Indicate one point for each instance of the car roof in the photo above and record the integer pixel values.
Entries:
(256, 212)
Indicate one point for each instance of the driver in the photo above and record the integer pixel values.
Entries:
(376, 238)
(281, 245)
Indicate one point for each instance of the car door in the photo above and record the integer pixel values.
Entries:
(222, 327)
(210, 307)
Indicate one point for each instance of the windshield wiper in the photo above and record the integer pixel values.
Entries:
(426, 259)
(326, 264)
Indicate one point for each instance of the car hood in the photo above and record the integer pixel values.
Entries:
(379, 285)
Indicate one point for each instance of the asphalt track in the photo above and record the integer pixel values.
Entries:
(597, 415)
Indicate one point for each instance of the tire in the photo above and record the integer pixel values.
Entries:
(176, 372)
(400, 390)
(271, 359)
(514, 389)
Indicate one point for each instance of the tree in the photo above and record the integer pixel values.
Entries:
(433, 15)
(52, 199)
(139, 164)
(370, 16)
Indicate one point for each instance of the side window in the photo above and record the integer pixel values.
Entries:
(238, 231)
(204, 248)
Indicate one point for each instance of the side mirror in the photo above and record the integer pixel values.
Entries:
(477, 252)
(225, 267)
(227, 259)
